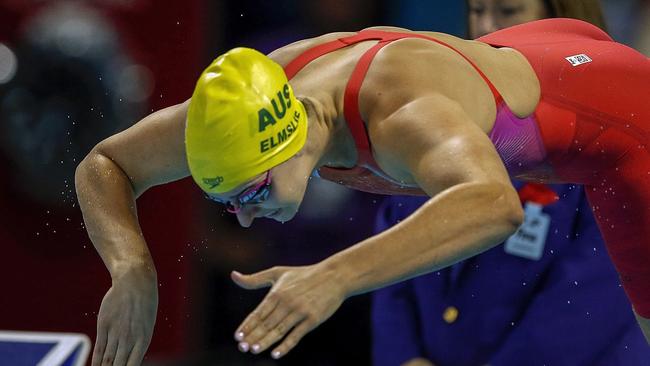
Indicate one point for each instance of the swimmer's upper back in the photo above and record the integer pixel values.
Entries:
(441, 69)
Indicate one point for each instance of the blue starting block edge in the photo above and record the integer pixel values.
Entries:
(43, 349)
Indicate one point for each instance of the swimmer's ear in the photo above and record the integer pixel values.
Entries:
(256, 280)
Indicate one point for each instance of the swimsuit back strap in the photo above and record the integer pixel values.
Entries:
(351, 105)
(293, 67)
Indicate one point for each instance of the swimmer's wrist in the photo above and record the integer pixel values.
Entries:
(338, 274)
(143, 269)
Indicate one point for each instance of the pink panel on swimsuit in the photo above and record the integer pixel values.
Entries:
(517, 141)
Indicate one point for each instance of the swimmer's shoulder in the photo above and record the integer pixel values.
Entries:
(506, 69)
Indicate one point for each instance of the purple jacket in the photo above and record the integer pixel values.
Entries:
(567, 308)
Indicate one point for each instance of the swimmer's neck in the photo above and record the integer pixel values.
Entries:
(329, 141)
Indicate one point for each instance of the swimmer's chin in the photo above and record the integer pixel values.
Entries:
(281, 215)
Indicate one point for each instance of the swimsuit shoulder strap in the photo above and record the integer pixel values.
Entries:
(351, 104)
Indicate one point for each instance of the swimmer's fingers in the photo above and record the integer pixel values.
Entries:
(111, 349)
(276, 333)
(131, 349)
(126, 318)
(256, 281)
(261, 321)
(100, 344)
(128, 347)
(123, 351)
(137, 354)
(306, 295)
(294, 337)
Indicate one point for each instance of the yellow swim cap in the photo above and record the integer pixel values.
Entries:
(243, 120)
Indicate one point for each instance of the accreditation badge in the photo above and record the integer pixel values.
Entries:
(530, 239)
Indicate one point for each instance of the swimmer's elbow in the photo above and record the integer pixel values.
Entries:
(97, 167)
(515, 218)
(85, 169)
(510, 211)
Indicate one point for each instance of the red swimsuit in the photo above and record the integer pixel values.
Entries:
(591, 127)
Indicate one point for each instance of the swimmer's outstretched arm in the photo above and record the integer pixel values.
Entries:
(473, 208)
(473, 204)
(108, 181)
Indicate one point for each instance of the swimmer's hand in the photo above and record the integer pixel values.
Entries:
(126, 319)
(300, 299)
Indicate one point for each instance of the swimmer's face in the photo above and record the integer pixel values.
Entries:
(278, 193)
(486, 16)
(275, 194)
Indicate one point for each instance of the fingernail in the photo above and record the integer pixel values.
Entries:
(239, 336)
(255, 348)
(243, 346)
(275, 354)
